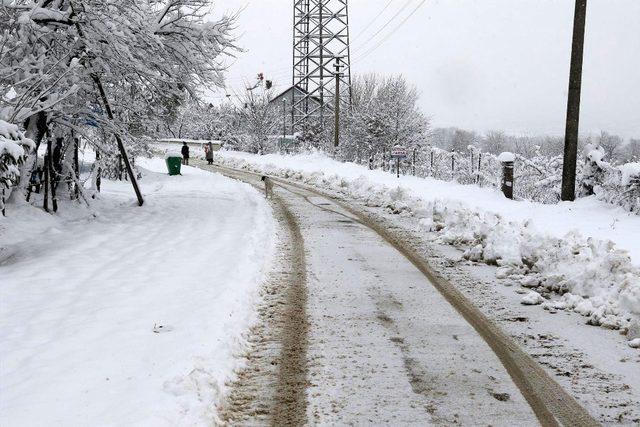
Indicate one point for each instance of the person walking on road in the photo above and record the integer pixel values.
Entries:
(185, 154)
(208, 149)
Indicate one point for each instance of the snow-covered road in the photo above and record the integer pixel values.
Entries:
(132, 317)
(383, 345)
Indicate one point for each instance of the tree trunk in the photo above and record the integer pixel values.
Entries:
(76, 167)
(36, 128)
(121, 148)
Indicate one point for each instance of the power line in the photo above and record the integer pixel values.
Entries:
(284, 72)
(384, 39)
(364, 30)
(386, 24)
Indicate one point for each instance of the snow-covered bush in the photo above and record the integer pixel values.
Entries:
(537, 178)
(14, 148)
(618, 185)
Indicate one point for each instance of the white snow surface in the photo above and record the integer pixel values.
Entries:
(585, 252)
(506, 157)
(132, 316)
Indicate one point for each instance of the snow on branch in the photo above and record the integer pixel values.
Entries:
(14, 147)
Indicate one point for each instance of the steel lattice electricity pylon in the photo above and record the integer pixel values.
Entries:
(320, 41)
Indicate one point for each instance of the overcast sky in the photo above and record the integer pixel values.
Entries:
(478, 64)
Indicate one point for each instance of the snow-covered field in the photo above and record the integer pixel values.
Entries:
(130, 316)
(581, 256)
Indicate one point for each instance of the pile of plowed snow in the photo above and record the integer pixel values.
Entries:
(560, 252)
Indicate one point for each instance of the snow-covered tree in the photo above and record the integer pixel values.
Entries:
(14, 148)
(257, 120)
(195, 120)
(384, 113)
(631, 151)
(462, 139)
(120, 66)
(495, 142)
(312, 136)
(610, 145)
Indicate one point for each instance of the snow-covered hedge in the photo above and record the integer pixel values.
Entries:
(591, 277)
(537, 178)
(14, 148)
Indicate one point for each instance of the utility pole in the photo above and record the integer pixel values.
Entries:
(336, 140)
(284, 121)
(573, 104)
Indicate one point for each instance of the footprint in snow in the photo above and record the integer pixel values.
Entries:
(160, 329)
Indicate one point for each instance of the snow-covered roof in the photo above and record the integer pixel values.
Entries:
(286, 92)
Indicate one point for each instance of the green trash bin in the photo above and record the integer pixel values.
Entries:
(173, 164)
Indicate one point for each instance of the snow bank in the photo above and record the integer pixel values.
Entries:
(130, 315)
(563, 252)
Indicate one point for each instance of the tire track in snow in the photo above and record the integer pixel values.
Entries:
(551, 403)
(271, 389)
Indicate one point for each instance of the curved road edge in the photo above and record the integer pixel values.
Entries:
(271, 388)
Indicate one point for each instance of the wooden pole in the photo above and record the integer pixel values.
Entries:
(336, 136)
(573, 104)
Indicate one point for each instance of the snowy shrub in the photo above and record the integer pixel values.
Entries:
(14, 148)
(618, 185)
(536, 178)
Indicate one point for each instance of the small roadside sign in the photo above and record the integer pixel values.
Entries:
(398, 152)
